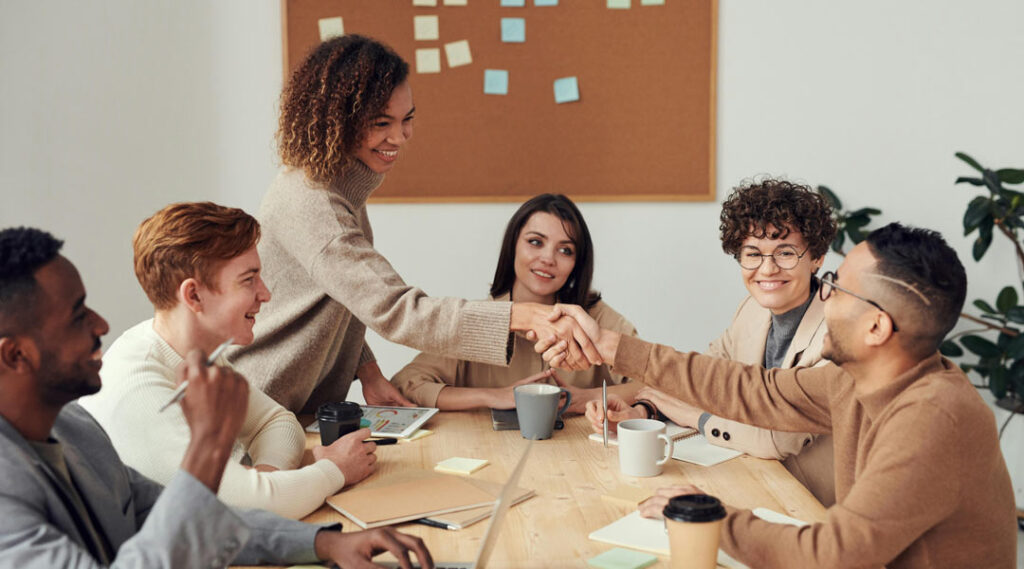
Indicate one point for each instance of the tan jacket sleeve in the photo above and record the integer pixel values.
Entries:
(755, 441)
(422, 379)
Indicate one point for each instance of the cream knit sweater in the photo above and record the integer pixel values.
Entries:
(139, 377)
(329, 284)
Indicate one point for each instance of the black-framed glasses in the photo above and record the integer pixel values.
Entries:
(828, 282)
(785, 257)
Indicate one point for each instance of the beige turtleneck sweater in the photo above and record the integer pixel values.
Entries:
(329, 284)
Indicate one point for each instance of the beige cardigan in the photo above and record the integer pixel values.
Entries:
(807, 456)
(423, 379)
(329, 284)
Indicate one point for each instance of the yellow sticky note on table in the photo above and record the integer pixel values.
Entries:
(425, 28)
(457, 465)
(419, 434)
(428, 60)
(652, 2)
(331, 28)
(618, 4)
(424, 2)
(455, 2)
(458, 53)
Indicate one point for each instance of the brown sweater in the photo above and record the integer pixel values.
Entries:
(920, 479)
(329, 283)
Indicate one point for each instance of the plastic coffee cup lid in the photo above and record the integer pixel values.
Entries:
(694, 508)
(339, 411)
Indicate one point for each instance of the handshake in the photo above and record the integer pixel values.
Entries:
(565, 334)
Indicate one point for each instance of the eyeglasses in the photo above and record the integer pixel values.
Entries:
(784, 256)
(828, 283)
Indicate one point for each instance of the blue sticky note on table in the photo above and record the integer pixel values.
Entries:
(620, 558)
(513, 3)
(567, 90)
(495, 82)
(545, 2)
(513, 30)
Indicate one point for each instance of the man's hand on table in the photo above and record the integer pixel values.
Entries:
(351, 455)
(355, 550)
(652, 507)
(377, 390)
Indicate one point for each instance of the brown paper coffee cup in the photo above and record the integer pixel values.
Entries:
(693, 522)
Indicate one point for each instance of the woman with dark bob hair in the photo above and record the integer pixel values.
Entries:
(778, 232)
(546, 257)
(346, 113)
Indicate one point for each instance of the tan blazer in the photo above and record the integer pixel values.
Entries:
(423, 379)
(807, 456)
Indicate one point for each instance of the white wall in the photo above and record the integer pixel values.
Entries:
(110, 110)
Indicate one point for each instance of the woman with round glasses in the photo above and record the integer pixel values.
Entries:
(779, 233)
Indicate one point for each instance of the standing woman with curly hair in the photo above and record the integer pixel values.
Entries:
(778, 232)
(346, 113)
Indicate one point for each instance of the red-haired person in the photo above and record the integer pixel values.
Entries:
(778, 232)
(197, 263)
(346, 114)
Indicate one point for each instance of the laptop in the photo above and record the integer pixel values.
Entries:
(501, 506)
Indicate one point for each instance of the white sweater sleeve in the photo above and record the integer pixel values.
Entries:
(271, 434)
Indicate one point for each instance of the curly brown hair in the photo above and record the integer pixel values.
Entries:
(754, 206)
(330, 101)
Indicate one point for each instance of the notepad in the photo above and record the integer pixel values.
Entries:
(458, 465)
(422, 496)
(465, 518)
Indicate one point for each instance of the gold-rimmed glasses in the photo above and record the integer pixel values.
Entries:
(784, 256)
(828, 283)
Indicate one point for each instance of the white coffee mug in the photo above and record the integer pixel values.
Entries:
(641, 452)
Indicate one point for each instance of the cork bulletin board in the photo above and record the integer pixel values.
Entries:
(641, 128)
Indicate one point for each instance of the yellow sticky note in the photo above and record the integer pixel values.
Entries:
(425, 28)
(419, 434)
(424, 2)
(618, 4)
(428, 60)
(454, 2)
(457, 465)
(331, 28)
(652, 2)
(458, 53)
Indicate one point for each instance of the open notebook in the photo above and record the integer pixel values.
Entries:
(687, 445)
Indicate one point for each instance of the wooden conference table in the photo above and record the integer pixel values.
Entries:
(569, 473)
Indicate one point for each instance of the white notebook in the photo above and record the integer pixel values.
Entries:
(687, 445)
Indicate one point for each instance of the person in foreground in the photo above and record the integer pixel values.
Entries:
(68, 500)
(546, 257)
(197, 263)
(346, 113)
(778, 232)
(920, 478)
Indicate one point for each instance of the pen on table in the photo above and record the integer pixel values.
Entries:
(379, 442)
(604, 403)
(435, 524)
(180, 391)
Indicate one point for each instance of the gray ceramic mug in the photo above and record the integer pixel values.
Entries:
(537, 409)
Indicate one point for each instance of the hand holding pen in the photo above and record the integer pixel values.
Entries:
(180, 391)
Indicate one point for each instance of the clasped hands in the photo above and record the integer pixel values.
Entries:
(566, 336)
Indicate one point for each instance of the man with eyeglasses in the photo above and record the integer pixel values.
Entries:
(920, 478)
(779, 233)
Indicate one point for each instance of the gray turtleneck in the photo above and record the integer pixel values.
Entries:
(781, 332)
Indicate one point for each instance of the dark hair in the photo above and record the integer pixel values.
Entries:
(330, 100)
(753, 206)
(23, 250)
(922, 259)
(577, 287)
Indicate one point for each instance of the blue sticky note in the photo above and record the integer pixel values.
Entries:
(619, 558)
(513, 3)
(513, 30)
(495, 82)
(567, 90)
(545, 2)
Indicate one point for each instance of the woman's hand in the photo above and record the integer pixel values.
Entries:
(377, 390)
(504, 397)
(652, 507)
(618, 410)
(681, 413)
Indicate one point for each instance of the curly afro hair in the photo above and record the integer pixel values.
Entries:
(785, 206)
(330, 100)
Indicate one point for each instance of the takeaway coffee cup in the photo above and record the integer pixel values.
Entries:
(337, 420)
(537, 409)
(643, 447)
(693, 522)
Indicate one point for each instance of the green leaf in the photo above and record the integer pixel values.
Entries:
(992, 182)
(950, 349)
(1016, 314)
(997, 382)
(865, 211)
(973, 163)
(1010, 175)
(984, 306)
(857, 220)
(981, 245)
(971, 181)
(979, 208)
(833, 200)
(1015, 349)
(1007, 299)
(981, 346)
(856, 235)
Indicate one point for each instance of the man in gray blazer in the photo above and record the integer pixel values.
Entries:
(67, 500)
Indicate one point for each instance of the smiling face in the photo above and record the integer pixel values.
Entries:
(230, 310)
(545, 257)
(68, 336)
(388, 132)
(779, 290)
